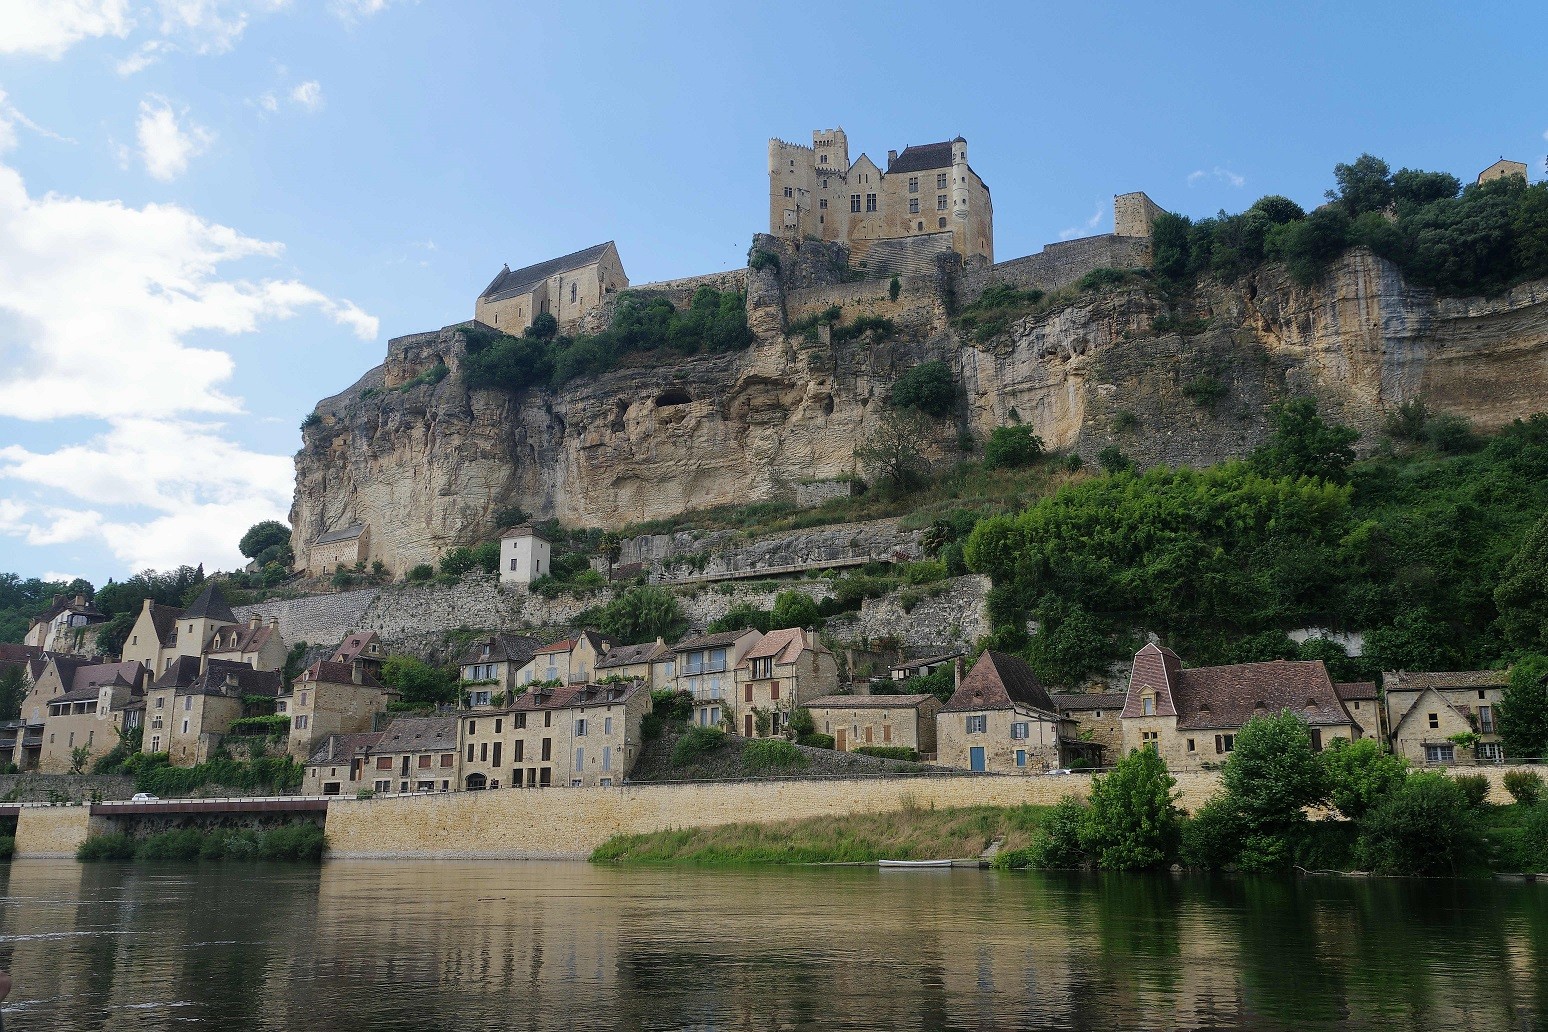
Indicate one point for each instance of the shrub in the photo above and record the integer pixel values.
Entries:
(928, 387)
(794, 609)
(115, 847)
(1524, 786)
(421, 572)
(296, 843)
(894, 288)
(889, 752)
(1059, 841)
(743, 615)
(1100, 279)
(1133, 823)
(1425, 826)
(1113, 460)
(758, 258)
(1011, 447)
(1211, 838)
(772, 754)
(1357, 774)
(817, 740)
(672, 707)
(1204, 391)
(1475, 787)
(365, 793)
(696, 743)
(643, 612)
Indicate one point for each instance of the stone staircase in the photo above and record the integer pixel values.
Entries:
(905, 256)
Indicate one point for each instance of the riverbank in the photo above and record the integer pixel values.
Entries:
(300, 842)
(912, 833)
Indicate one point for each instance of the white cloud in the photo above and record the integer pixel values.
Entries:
(308, 95)
(1224, 175)
(11, 117)
(47, 28)
(351, 10)
(166, 145)
(148, 54)
(268, 103)
(1070, 232)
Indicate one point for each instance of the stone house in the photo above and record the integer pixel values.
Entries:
(922, 667)
(572, 661)
(899, 721)
(649, 662)
(362, 647)
(414, 754)
(153, 638)
(83, 714)
(524, 556)
(576, 735)
(191, 706)
(343, 546)
(489, 666)
(1503, 169)
(341, 764)
(256, 643)
(1363, 704)
(705, 666)
(1191, 717)
(331, 699)
(566, 287)
(1426, 711)
(1097, 717)
(928, 195)
(781, 671)
(63, 627)
(1001, 720)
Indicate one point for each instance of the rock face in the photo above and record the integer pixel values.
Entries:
(427, 465)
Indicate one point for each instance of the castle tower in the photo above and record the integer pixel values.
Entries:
(959, 171)
(831, 147)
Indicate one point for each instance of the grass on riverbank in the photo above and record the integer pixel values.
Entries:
(909, 834)
(303, 843)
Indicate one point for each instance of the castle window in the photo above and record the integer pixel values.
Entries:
(572, 293)
(913, 206)
(789, 192)
(854, 202)
(940, 202)
(913, 184)
(940, 181)
(823, 159)
(920, 227)
(940, 223)
(870, 202)
(823, 204)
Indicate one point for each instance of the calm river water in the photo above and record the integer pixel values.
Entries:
(468, 946)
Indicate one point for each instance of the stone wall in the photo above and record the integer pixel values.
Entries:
(47, 788)
(723, 551)
(55, 831)
(314, 619)
(809, 496)
(918, 306)
(957, 617)
(569, 823)
(1059, 265)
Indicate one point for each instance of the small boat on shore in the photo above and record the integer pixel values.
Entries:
(913, 863)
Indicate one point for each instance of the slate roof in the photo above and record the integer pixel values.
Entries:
(342, 748)
(419, 734)
(180, 673)
(164, 619)
(66, 667)
(10, 653)
(354, 646)
(327, 671)
(633, 655)
(105, 673)
(1082, 701)
(1229, 696)
(915, 664)
(868, 702)
(1350, 690)
(210, 605)
(709, 641)
(514, 283)
(1000, 681)
(348, 533)
(222, 677)
(784, 645)
(525, 530)
(1418, 681)
(922, 157)
(242, 638)
(517, 649)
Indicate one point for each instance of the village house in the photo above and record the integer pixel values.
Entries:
(414, 754)
(524, 556)
(1363, 704)
(65, 627)
(191, 706)
(898, 721)
(566, 287)
(577, 736)
(256, 643)
(362, 647)
(489, 666)
(1001, 720)
(705, 667)
(650, 662)
(1445, 718)
(1191, 717)
(330, 699)
(343, 546)
(572, 661)
(922, 667)
(781, 671)
(1098, 718)
(341, 765)
(81, 715)
(152, 640)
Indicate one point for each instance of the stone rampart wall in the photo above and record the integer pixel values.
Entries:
(314, 619)
(918, 302)
(48, 788)
(1059, 265)
(683, 289)
(956, 616)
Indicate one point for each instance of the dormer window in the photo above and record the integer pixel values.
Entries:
(1148, 705)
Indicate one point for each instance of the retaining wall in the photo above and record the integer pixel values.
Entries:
(55, 831)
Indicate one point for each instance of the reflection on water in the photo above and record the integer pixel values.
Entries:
(457, 945)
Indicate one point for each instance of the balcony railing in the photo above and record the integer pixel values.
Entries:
(690, 670)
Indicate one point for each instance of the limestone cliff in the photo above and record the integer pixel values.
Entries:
(427, 464)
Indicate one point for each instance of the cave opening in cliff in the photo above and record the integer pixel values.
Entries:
(673, 396)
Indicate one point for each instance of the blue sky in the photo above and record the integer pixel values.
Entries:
(215, 212)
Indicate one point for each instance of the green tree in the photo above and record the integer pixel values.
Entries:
(1522, 595)
(1423, 826)
(1271, 777)
(1010, 447)
(794, 609)
(1358, 774)
(264, 536)
(78, 757)
(1365, 185)
(743, 615)
(1133, 822)
(1415, 640)
(1304, 445)
(892, 454)
(1523, 711)
(112, 635)
(1412, 188)
(1169, 240)
(1309, 246)
(927, 387)
(419, 685)
(13, 690)
(1071, 646)
(642, 613)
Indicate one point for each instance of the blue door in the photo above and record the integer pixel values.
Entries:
(976, 758)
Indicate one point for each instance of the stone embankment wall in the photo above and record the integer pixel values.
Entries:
(48, 788)
(957, 616)
(314, 619)
(724, 551)
(55, 831)
(1059, 265)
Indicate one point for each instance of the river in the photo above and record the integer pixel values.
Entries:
(465, 946)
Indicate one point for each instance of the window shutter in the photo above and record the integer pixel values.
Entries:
(1219, 744)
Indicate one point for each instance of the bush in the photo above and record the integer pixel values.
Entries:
(1133, 823)
(817, 740)
(672, 707)
(772, 754)
(1101, 279)
(1059, 841)
(642, 613)
(421, 572)
(696, 743)
(1204, 391)
(116, 847)
(1524, 786)
(1425, 826)
(1011, 447)
(743, 615)
(794, 609)
(1475, 787)
(889, 752)
(1357, 774)
(1113, 460)
(1211, 838)
(928, 387)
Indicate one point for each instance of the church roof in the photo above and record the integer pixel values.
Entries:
(348, 533)
(921, 157)
(511, 283)
(210, 605)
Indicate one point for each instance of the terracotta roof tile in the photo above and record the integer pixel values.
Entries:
(1000, 681)
(1082, 701)
(869, 702)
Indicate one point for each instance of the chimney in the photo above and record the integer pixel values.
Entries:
(957, 678)
(80, 600)
(254, 622)
(892, 156)
(274, 622)
(356, 672)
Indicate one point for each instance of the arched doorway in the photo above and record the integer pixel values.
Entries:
(475, 783)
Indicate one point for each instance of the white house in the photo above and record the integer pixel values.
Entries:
(523, 556)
